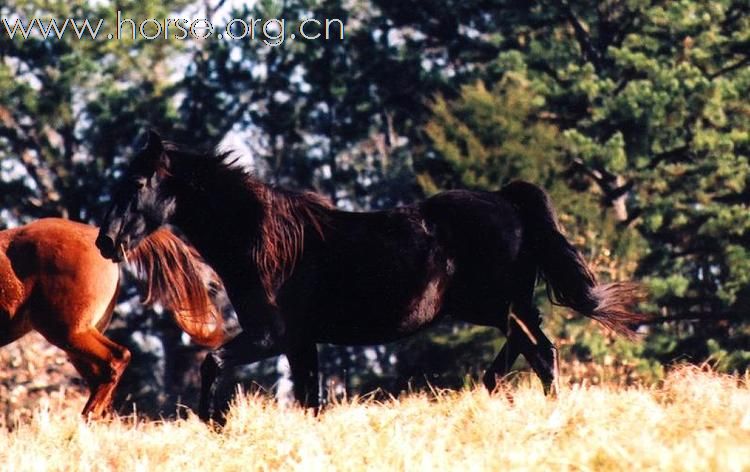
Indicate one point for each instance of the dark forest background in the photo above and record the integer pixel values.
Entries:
(634, 114)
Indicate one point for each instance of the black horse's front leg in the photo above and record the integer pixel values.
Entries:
(303, 362)
(209, 372)
(243, 349)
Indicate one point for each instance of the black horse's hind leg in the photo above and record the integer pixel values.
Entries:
(514, 345)
(501, 365)
(542, 355)
(243, 349)
(303, 362)
(546, 363)
(524, 336)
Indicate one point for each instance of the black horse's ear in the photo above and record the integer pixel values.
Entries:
(143, 139)
(151, 152)
(153, 146)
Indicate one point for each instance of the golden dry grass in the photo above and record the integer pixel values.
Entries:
(694, 421)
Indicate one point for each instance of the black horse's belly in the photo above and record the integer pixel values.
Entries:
(376, 282)
(377, 320)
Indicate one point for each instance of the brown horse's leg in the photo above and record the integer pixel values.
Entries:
(100, 361)
(9, 334)
(91, 375)
(14, 324)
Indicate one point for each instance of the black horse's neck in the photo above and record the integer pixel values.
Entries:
(241, 225)
(219, 206)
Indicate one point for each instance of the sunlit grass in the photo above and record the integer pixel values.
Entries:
(694, 421)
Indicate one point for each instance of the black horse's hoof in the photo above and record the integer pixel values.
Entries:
(490, 381)
(216, 424)
(214, 418)
(204, 414)
(497, 385)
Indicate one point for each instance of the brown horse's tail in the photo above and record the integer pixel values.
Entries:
(570, 282)
(175, 277)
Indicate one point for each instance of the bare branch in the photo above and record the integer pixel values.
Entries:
(583, 37)
(671, 155)
(614, 187)
(695, 317)
(725, 70)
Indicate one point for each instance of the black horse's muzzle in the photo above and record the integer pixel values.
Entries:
(109, 249)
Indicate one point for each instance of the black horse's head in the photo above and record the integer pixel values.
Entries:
(141, 201)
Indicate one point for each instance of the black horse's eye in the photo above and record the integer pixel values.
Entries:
(140, 183)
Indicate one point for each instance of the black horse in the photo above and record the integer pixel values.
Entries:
(300, 272)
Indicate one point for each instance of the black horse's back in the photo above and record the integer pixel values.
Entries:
(477, 225)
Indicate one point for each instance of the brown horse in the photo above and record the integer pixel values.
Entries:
(54, 280)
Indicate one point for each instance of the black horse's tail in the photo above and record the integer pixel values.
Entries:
(570, 282)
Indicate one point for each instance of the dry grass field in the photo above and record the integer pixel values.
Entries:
(695, 420)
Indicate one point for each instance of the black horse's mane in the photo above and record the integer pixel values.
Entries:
(195, 166)
(223, 165)
(285, 215)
